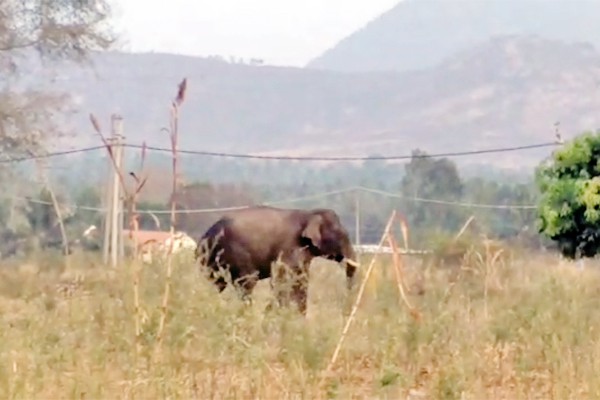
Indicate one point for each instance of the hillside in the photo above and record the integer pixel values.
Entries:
(508, 91)
(419, 34)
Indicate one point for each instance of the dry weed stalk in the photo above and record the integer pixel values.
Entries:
(398, 270)
(358, 298)
(131, 202)
(455, 278)
(134, 227)
(404, 229)
(173, 133)
(464, 228)
(489, 265)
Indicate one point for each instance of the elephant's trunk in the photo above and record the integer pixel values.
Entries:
(351, 263)
(350, 272)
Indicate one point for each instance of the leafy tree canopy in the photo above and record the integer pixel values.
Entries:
(66, 29)
(431, 178)
(569, 206)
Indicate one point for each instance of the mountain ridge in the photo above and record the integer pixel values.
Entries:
(508, 91)
(417, 34)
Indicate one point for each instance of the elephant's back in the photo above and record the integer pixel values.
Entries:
(264, 224)
(263, 231)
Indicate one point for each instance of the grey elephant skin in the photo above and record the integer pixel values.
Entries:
(248, 242)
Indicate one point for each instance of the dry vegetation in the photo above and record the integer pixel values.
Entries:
(505, 328)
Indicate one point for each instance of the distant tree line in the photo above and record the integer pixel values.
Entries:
(429, 192)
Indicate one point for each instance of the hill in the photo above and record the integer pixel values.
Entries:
(508, 91)
(419, 34)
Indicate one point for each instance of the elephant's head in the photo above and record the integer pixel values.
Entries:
(327, 238)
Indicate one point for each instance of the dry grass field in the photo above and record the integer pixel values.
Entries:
(518, 327)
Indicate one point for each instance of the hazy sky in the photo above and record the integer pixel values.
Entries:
(281, 32)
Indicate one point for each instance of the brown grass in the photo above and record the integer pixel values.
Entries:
(66, 333)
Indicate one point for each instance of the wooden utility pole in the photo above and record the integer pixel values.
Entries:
(113, 226)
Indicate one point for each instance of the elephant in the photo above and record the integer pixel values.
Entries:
(247, 243)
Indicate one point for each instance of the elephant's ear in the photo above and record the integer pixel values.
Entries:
(312, 230)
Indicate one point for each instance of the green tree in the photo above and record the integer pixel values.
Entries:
(569, 207)
(438, 179)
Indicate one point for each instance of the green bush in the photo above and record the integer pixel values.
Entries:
(569, 207)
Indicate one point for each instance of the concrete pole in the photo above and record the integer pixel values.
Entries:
(357, 216)
(108, 195)
(121, 205)
(116, 194)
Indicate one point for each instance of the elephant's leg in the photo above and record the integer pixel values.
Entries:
(290, 279)
(245, 285)
(280, 283)
(215, 276)
(291, 283)
(300, 288)
(220, 283)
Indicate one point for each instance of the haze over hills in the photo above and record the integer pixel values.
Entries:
(508, 91)
(419, 34)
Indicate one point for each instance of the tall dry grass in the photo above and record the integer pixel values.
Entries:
(523, 328)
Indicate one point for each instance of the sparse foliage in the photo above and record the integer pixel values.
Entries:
(52, 29)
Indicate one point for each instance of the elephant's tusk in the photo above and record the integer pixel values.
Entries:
(352, 263)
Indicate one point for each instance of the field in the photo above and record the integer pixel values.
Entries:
(519, 327)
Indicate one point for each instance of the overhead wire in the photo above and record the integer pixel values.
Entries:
(309, 197)
(452, 203)
(282, 157)
(48, 155)
(346, 158)
(298, 199)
